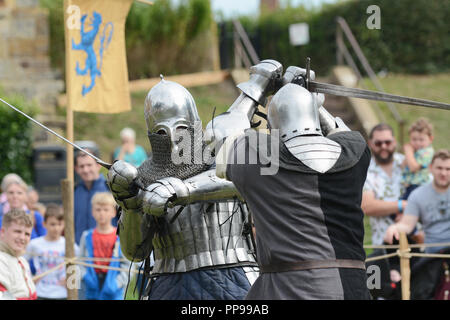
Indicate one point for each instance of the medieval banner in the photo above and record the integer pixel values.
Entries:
(96, 65)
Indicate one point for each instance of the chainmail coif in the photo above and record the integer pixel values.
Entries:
(160, 164)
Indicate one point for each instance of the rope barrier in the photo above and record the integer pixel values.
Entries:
(43, 274)
(396, 246)
(408, 253)
(80, 258)
(399, 253)
(431, 255)
(100, 266)
(76, 261)
(385, 256)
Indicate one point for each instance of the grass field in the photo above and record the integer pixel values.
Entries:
(104, 129)
(436, 87)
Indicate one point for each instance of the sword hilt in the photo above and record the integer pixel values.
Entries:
(104, 164)
(308, 72)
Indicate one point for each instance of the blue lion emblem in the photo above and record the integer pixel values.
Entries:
(87, 45)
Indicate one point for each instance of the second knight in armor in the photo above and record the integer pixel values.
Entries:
(307, 215)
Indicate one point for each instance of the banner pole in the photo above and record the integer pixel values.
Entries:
(69, 182)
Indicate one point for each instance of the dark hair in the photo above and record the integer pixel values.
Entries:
(442, 154)
(54, 210)
(80, 154)
(380, 127)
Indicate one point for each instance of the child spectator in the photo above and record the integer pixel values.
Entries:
(15, 275)
(102, 242)
(45, 253)
(33, 203)
(16, 196)
(418, 155)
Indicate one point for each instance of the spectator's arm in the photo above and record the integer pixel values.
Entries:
(409, 158)
(39, 227)
(406, 224)
(378, 208)
(122, 277)
(82, 251)
(121, 154)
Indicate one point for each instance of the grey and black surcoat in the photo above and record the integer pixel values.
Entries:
(303, 216)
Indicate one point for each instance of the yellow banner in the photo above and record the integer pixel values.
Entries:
(96, 65)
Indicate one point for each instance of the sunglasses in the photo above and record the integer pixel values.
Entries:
(379, 143)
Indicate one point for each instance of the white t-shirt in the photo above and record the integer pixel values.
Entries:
(45, 255)
(387, 188)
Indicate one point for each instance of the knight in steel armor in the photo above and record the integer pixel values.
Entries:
(194, 222)
(307, 214)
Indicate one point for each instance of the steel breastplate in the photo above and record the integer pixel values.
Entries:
(203, 235)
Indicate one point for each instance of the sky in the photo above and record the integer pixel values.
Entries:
(233, 8)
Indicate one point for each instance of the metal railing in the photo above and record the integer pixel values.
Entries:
(244, 53)
(343, 53)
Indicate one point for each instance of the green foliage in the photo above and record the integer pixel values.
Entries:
(414, 35)
(16, 138)
(160, 38)
(56, 29)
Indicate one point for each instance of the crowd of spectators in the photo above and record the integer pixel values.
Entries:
(407, 192)
(42, 257)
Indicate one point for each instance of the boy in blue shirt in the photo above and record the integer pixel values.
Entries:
(103, 242)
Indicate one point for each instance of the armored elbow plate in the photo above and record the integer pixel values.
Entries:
(224, 125)
(261, 76)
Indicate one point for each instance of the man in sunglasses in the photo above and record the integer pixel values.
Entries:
(382, 189)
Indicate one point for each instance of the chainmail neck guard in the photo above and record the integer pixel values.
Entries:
(159, 164)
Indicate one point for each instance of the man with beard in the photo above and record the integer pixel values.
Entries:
(430, 203)
(382, 189)
(201, 243)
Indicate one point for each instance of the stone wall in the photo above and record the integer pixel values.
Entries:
(24, 53)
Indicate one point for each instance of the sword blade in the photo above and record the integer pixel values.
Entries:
(373, 95)
(100, 162)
